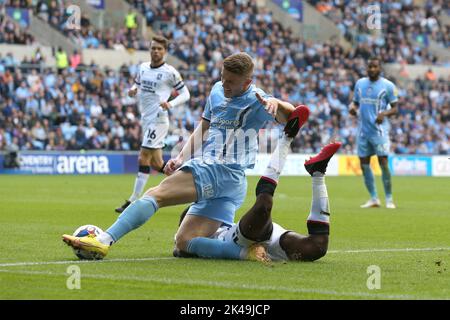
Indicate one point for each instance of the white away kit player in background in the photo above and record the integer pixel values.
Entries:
(155, 81)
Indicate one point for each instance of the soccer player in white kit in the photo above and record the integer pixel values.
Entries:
(155, 81)
(261, 239)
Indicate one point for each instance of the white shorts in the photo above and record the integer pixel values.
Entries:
(154, 133)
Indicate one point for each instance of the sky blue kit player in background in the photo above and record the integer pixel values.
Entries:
(375, 99)
(215, 179)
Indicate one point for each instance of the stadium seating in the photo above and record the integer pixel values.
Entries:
(407, 28)
(88, 36)
(88, 109)
(11, 33)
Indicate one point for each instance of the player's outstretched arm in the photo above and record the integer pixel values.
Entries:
(194, 143)
(280, 109)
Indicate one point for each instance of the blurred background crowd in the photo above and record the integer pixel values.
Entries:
(77, 106)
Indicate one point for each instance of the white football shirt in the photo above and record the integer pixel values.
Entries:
(155, 86)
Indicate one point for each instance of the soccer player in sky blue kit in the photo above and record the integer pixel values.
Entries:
(375, 99)
(210, 170)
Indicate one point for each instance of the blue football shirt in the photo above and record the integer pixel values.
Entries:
(373, 98)
(234, 126)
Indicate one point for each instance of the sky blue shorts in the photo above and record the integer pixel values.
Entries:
(369, 146)
(221, 190)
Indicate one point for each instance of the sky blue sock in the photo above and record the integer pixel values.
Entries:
(369, 180)
(133, 217)
(214, 248)
(386, 177)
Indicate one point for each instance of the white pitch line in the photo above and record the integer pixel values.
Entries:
(389, 250)
(24, 264)
(43, 263)
(225, 285)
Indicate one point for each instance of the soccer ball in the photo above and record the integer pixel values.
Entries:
(82, 232)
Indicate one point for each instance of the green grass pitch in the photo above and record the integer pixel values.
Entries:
(410, 245)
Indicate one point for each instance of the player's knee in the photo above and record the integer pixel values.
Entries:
(365, 167)
(143, 160)
(156, 163)
(309, 248)
(182, 241)
(319, 249)
(159, 194)
(318, 253)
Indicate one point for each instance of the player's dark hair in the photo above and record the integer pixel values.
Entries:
(161, 40)
(374, 58)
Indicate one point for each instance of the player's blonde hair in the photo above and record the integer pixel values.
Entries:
(239, 63)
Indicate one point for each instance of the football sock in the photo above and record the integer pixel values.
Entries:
(319, 216)
(278, 159)
(214, 248)
(386, 177)
(265, 185)
(369, 180)
(141, 181)
(105, 238)
(137, 213)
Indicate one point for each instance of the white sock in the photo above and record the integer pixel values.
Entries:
(139, 184)
(105, 238)
(320, 207)
(278, 159)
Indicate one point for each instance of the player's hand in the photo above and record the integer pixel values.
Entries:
(380, 118)
(172, 165)
(353, 111)
(165, 105)
(132, 92)
(271, 104)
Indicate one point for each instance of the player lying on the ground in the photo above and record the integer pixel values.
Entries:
(256, 237)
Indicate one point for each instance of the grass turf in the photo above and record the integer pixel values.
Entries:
(36, 210)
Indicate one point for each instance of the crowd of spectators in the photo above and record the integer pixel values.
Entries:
(83, 107)
(12, 33)
(59, 14)
(405, 29)
(87, 108)
(397, 30)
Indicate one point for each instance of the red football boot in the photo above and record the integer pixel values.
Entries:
(320, 161)
(296, 120)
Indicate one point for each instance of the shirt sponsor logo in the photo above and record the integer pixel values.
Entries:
(225, 123)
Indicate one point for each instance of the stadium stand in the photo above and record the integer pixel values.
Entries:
(10, 32)
(56, 14)
(407, 27)
(85, 107)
